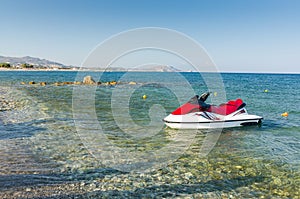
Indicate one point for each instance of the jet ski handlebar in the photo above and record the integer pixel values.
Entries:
(204, 96)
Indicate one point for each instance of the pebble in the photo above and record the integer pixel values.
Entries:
(28, 189)
(277, 181)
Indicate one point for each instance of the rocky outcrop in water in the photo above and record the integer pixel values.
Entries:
(88, 80)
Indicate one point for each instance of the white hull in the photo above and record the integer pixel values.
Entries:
(207, 120)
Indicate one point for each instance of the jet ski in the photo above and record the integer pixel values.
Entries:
(196, 114)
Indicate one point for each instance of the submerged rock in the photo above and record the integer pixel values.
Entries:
(43, 83)
(31, 83)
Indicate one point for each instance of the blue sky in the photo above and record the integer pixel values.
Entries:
(239, 35)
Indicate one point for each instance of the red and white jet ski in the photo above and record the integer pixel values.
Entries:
(196, 114)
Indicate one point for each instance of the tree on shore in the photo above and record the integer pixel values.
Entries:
(5, 65)
(25, 65)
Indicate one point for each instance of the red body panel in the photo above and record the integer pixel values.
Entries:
(222, 109)
(187, 108)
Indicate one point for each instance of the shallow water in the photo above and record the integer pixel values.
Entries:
(51, 140)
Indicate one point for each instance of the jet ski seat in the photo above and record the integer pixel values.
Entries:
(227, 108)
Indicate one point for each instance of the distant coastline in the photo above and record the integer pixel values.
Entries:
(104, 70)
(35, 69)
(82, 69)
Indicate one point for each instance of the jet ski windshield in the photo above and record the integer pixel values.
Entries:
(197, 100)
(194, 100)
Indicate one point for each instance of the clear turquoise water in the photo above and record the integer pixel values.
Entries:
(40, 145)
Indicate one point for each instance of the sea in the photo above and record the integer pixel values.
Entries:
(109, 140)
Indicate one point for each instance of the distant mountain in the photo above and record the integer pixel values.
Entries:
(15, 61)
(152, 68)
(159, 68)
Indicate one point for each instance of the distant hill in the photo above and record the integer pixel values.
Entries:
(158, 68)
(153, 68)
(37, 62)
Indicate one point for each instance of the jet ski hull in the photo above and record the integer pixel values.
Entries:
(207, 120)
(212, 124)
